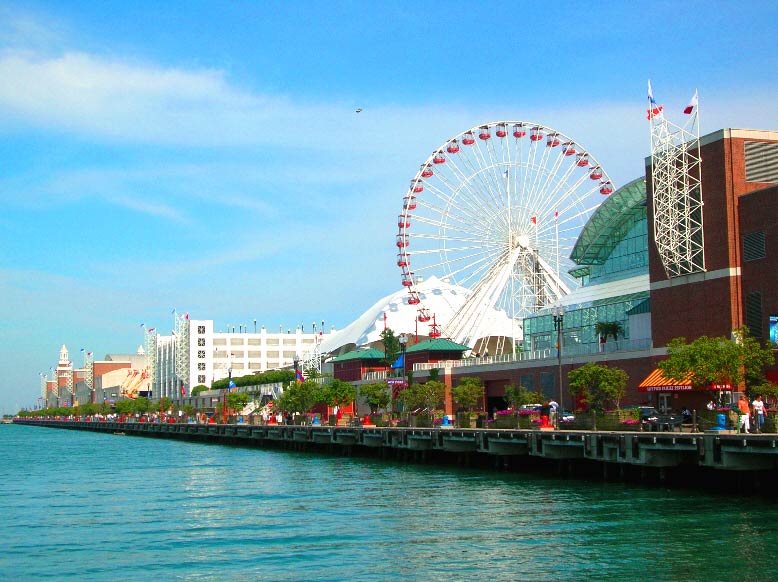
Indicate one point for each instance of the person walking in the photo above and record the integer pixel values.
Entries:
(758, 407)
(745, 411)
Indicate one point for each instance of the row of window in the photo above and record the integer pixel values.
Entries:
(239, 341)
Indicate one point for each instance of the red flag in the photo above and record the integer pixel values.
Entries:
(654, 111)
(692, 104)
(534, 220)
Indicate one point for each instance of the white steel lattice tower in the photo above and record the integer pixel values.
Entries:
(150, 338)
(312, 359)
(182, 349)
(677, 191)
(44, 386)
(89, 371)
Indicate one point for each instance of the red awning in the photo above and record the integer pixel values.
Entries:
(657, 382)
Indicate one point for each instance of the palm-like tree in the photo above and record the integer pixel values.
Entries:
(609, 328)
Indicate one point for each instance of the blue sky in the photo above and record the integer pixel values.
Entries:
(207, 155)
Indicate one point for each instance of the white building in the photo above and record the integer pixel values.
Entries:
(196, 355)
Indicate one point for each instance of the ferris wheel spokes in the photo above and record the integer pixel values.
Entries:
(498, 208)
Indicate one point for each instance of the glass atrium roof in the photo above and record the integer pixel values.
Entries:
(610, 222)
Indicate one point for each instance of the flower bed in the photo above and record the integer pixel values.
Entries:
(505, 419)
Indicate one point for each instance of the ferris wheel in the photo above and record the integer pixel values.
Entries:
(497, 209)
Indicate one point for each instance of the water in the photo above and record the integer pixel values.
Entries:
(89, 506)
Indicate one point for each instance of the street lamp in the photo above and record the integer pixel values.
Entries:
(559, 322)
(403, 339)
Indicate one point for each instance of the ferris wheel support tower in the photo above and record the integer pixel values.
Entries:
(677, 189)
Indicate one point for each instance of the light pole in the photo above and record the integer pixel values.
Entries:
(559, 322)
(403, 339)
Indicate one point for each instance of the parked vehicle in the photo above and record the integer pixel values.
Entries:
(651, 416)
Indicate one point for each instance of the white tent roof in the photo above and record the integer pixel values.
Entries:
(440, 298)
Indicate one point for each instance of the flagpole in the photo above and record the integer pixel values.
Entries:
(510, 254)
(556, 230)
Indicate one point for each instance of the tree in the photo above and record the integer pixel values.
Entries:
(142, 405)
(609, 328)
(518, 395)
(125, 406)
(237, 400)
(468, 392)
(391, 347)
(337, 393)
(598, 385)
(717, 360)
(428, 396)
(164, 403)
(377, 395)
(299, 397)
(197, 389)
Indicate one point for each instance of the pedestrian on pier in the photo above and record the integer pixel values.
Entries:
(758, 406)
(745, 411)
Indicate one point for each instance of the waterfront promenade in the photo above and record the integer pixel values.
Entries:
(662, 457)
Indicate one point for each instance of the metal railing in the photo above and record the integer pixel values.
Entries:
(545, 354)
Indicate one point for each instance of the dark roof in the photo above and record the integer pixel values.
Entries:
(437, 345)
(369, 354)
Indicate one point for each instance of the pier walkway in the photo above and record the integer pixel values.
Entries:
(660, 450)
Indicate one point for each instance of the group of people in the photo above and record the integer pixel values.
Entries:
(757, 408)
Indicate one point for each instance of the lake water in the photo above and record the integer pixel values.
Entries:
(90, 506)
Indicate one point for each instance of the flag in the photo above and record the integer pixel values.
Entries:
(299, 376)
(692, 104)
(183, 390)
(653, 112)
(143, 325)
(173, 310)
(186, 316)
(534, 220)
(152, 329)
(653, 109)
(556, 214)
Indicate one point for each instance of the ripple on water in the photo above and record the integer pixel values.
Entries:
(80, 505)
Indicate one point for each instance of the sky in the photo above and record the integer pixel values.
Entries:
(208, 156)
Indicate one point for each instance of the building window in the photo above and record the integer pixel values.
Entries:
(236, 341)
(754, 314)
(201, 379)
(753, 246)
(290, 342)
(201, 366)
(201, 354)
(761, 161)
(201, 341)
(290, 355)
(219, 342)
(548, 385)
(201, 329)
